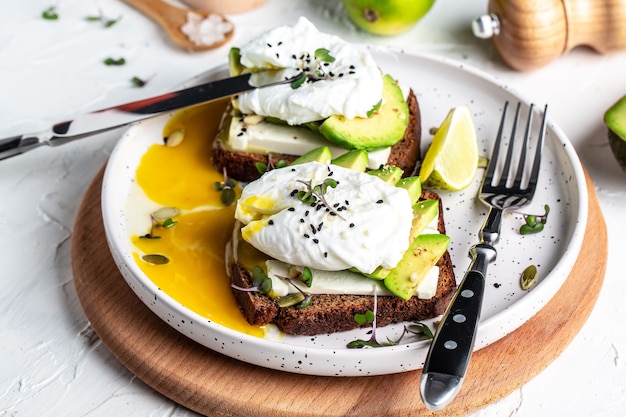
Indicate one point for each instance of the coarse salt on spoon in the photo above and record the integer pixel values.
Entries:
(190, 29)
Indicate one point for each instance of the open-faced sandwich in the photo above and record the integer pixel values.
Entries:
(334, 224)
(343, 101)
(321, 241)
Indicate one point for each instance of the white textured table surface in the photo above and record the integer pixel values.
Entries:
(52, 363)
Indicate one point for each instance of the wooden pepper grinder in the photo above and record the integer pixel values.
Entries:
(531, 33)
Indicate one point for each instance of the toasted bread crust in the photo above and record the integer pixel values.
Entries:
(242, 165)
(334, 313)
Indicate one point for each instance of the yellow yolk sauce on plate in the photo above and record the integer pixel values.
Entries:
(183, 177)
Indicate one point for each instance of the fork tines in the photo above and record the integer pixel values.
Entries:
(500, 172)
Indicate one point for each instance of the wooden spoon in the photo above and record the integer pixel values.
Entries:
(172, 18)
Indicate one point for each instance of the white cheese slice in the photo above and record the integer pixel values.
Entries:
(265, 137)
(339, 282)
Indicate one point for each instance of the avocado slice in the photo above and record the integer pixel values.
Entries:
(424, 253)
(413, 185)
(382, 129)
(424, 212)
(234, 62)
(389, 173)
(355, 159)
(615, 120)
(323, 155)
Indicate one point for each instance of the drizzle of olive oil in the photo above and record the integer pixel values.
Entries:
(183, 176)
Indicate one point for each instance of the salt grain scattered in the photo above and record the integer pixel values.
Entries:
(205, 31)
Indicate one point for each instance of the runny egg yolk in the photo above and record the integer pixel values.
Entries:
(183, 176)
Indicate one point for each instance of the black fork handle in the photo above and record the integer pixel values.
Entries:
(451, 349)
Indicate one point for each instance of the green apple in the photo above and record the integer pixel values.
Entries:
(386, 17)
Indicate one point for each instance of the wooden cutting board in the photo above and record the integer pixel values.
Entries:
(216, 385)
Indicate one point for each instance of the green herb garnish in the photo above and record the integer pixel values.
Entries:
(375, 108)
(315, 193)
(263, 167)
(138, 82)
(323, 54)
(369, 317)
(534, 223)
(298, 81)
(227, 188)
(50, 13)
(112, 61)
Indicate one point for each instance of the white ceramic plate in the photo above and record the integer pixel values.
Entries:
(440, 84)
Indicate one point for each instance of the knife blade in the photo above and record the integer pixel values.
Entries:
(100, 121)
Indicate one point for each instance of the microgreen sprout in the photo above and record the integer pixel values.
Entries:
(534, 223)
(114, 62)
(138, 82)
(315, 193)
(298, 81)
(302, 298)
(374, 109)
(227, 188)
(323, 54)
(162, 218)
(260, 282)
(314, 71)
(263, 167)
(369, 317)
(50, 13)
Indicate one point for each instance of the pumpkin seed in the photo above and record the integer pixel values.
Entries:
(155, 258)
(529, 277)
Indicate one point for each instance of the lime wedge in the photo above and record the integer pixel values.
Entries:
(451, 160)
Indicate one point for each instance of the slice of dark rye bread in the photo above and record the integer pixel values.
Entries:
(334, 313)
(242, 165)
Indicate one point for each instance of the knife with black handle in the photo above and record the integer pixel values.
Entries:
(125, 114)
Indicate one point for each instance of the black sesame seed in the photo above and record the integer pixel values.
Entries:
(340, 74)
(331, 73)
(351, 66)
(351, 225)
(294, 56)
(271, 222)
(244, 129)
(332, 213)
(330, 174)
(379, 202)
(313, 229)
(294, 192)
(240, 134)
(319, 226)
(269, 45)
(347, 202)
(351, 72)
(326, 64)
(306, 213)
(336, 205)
(313, 204)
(306, 235)
(316, 241)
(277, 55)
(325, 254)
(318, 207)
(280, 43)
(291, 209)
(301, 220)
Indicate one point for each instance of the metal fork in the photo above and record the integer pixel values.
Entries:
(451, 349)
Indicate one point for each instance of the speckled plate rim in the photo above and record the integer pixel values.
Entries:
(311, 358)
